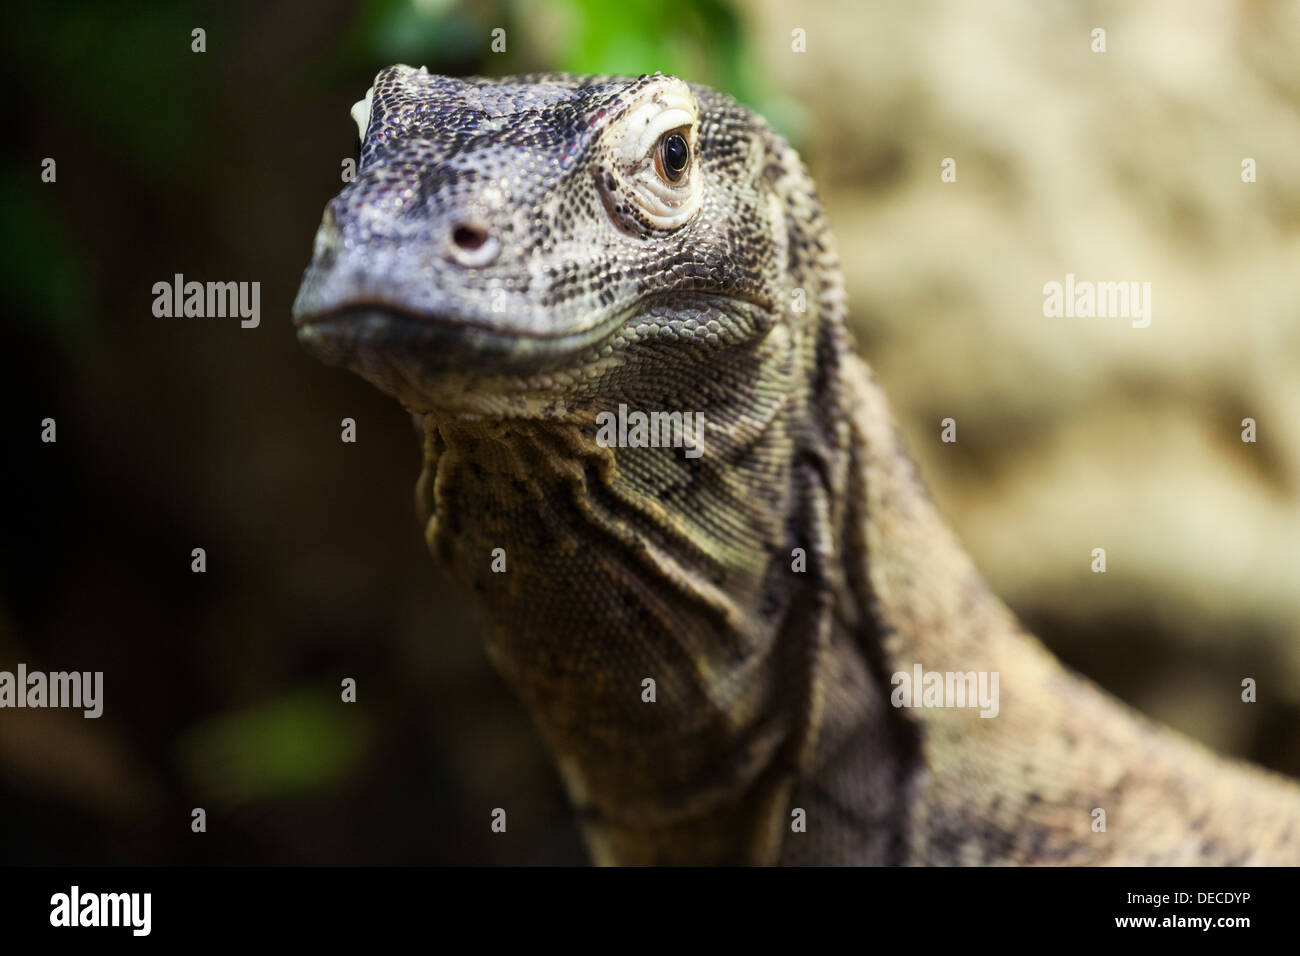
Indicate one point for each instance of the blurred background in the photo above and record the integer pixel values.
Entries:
(221, 689)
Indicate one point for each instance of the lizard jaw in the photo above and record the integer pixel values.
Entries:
(346, 335)
(433, 362)
(439, 363)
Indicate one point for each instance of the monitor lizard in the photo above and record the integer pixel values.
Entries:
(709, 643)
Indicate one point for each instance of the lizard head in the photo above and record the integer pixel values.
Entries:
(522, 236)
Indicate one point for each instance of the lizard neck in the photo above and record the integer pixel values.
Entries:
(641, 603)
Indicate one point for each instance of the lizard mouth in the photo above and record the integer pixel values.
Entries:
(359, 334)
(434, 360)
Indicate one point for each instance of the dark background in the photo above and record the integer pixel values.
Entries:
(222, 689)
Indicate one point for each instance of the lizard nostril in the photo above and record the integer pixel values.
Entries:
(472, 245)
(468, 237)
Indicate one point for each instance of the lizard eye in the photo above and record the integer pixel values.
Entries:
(652, 180)
(672, 156)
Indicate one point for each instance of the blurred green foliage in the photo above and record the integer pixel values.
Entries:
(697, 40)
(89, 74)
(148, 110)
(302, 742)
(42, 271)
(703, 41)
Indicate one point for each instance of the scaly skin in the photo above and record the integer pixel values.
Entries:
(511, 262)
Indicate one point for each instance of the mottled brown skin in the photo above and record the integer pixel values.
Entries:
(508, 266)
